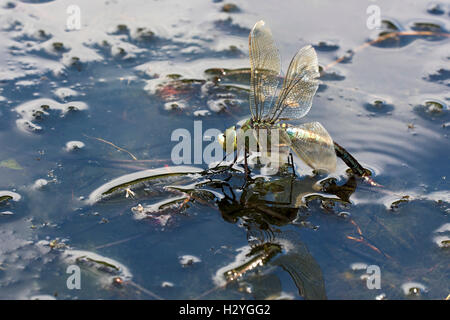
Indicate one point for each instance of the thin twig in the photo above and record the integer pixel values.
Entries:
(211, 291)
(118, 242)
(113, 145)
(362, 239)
(150, 293)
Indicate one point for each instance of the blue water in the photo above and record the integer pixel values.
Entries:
(402, 139)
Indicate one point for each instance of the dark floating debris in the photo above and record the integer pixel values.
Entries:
(121, 187)
(231, 27)
(74, 145)
(381, 296)
(6, 196)
(397, 203)
(174, 105)
(188, 260)
(230, 8)
(390, 25)
(144, 34)
(75, 62)
(222, 90)
(334, 75)
(162, 212)
(58, 46)
(344, 215)
(393, 35)
(432, 108)
(9, 5)
(435, 8)
(347, 57)
(441, 76)
(238, 76)
(106, 270)
(413, 289)
(167, 284)
(379, 106)
(122, 29)
(35, 110)
(442, 241)
(43, 35)
(117, 282)
(427, 26)
(326, 45)
(39, 184)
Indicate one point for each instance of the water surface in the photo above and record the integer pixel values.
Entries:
(137, 70)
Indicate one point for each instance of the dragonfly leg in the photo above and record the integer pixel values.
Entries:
(292, 187)
(227, 168)
(246, 168)
(291, 163)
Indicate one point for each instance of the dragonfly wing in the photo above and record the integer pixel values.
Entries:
(299, 87)
(273, 145)
(312, 143)
(265, 69)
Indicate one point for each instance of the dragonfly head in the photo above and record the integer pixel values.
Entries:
(229, 136)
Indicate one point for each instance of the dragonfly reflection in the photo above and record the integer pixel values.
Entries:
(261, 208)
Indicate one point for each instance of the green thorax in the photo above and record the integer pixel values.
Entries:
(253, 124)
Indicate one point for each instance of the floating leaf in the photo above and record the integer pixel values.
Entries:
(4, 199)
(10, 164)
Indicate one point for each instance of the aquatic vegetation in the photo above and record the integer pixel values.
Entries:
(188, 260)
(326, 45)
(393, 34)
(432, 109)
(35, 110)
(435, 8)
(230, 8)
(5, 196)
(74, 145)
(379, 106)
(10, 164)
(120, 185)
(108, 271)
(221, 90)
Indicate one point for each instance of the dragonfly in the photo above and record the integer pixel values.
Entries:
(271, 105)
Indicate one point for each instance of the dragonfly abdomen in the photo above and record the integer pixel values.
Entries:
(305, 135)
(350, 161)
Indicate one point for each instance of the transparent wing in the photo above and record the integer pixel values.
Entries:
(299, 87)
(312, 143)
(265, 69)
